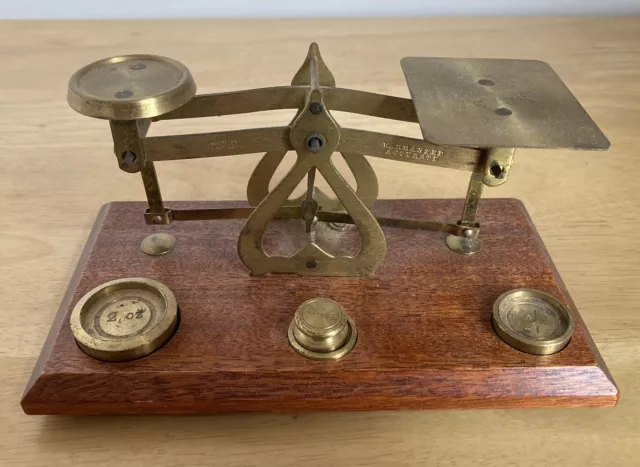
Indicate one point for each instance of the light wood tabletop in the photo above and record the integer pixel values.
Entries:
(57, 169)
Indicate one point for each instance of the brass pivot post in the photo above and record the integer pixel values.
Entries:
(493, 171)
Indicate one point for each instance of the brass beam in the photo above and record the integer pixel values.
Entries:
(293, 97)
(403, 149)
(223, 143)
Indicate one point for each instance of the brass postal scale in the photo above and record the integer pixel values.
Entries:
(324, 301)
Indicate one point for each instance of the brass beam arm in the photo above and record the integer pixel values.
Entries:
(223, 143)
(294, 212)
(293, 97)
(231, 143)
(403, 149)
(250, 141)
(240, 102)
(369, 103)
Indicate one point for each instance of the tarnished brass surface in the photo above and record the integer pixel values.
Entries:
(532, 321)
(312, 260)
(403, 149)
(366, 181)
(132, 157)
(474, 193)
(313, 71)
(224, 143)
(294, 212)
(276, 141)
(464, 245)
(473, 114)
(484, 102)
(130, 87)
(158, 244)
(498, 166)
(293, 97)
(365, 177)
(124, 319)
(322, 330)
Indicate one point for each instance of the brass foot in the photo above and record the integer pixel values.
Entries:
(464, 245)
(158, 244)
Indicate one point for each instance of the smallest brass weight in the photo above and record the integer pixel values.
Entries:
(158, 244)
(124, 319)
(532, 321)
(322, 330)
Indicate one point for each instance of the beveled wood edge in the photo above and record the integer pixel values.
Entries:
(65, 305)
(59, 394)
(33, 404)
(309, 406)
(572, 306)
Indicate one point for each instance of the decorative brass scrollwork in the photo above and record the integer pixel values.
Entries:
(314, 135)
(365, 177)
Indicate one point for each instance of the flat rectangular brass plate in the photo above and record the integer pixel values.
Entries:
(424, 325)
(480, 102)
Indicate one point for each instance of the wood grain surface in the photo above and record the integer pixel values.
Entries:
(425, 338)
(57, 169)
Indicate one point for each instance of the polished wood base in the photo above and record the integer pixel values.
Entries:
(424, 322)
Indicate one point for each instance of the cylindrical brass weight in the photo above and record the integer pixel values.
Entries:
(532, 321)
(322, 330)
(124, 319)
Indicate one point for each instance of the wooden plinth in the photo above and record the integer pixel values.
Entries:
(425, 335)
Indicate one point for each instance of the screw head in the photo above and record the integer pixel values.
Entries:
(486, 82)
(128, 158)
(312, 263)
(503, 111)
(497, 171)
(315, 108)
(315, 142)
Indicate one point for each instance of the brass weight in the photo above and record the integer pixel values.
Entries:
(322, 330)
(532, 321)
(124, 319)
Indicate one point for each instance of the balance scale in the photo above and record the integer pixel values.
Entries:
(326, 301)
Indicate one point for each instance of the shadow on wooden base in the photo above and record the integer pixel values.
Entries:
(424, 322)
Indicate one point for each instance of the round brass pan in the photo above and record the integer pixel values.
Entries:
(130, 87)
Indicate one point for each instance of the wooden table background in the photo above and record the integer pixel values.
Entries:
(57, 169)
